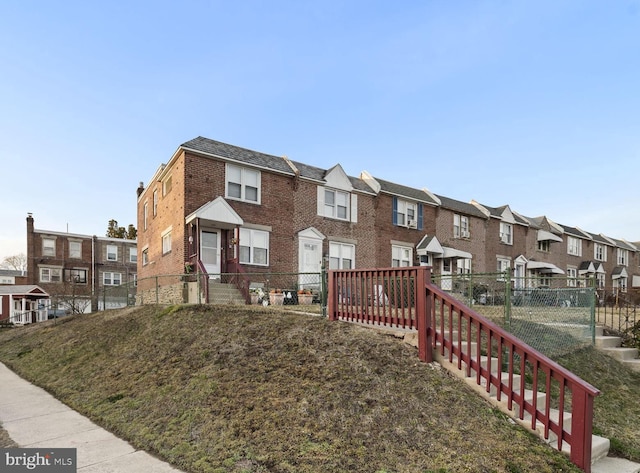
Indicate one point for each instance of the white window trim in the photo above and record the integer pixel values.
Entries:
(622, 257)
(460, 226)
(75, 242)
(395, 249)
(506, 237)
(107, 253)
(111, 278)
(50, 269)
(604, 252)
(574, 246)
(340, 247)
(243, 184)
(53, 247)
(132, 252)
(252, 257)
(166, 249)
(352, 204)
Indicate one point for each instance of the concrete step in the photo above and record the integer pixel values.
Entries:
(608, 341)
(622, 354)
(614, 465)
(633, 364)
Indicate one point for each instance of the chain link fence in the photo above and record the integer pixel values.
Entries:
(554, 318)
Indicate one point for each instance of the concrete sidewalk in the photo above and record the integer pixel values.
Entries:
(35, 419)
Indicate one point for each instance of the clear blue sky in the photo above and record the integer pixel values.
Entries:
(535, 104)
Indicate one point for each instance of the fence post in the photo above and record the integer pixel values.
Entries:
(157, 291)
(423, 314)
(323, 288)
(593, 316)
(507, 297)
(331, 297)
(581, 428)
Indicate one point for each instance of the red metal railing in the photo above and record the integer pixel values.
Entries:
(500, 362)
(238, 277)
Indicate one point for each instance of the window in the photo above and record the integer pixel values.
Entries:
(111, 279)
(336, 204)
(574, 246)
(506, 233)
(600, 280)
(155, 202)
(504, 264)
(600, 252)
(243, 184)
(112, 253)
(50, 274)
(145, 214)
(544, 245)
(623, 257)
(167, 185)
(254, 247)
(401, 256)
(621, 284)
(166, 241)
(463, 266)
(460, 226)
(75, 249)
(572, 277)
(145, 256)
(405, 214)
(133, 255)
(134, 277)
(341, 255)
(48, 247)
(76, 276)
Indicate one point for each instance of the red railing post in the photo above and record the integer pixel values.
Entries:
(581, 428)
(331, 296)
(423, 315)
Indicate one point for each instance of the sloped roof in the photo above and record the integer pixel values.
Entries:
(21, 290)
(236, 153)
(460, 207)
(265, 161)
(573, 231)
(405, 191)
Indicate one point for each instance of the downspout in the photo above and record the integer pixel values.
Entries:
(93, 272)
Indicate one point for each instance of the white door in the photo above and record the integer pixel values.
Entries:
(445, 275)
(210, 252)
(310, 261)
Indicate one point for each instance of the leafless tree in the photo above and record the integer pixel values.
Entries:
(17, 262)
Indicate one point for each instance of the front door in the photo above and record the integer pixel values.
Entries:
(310, 261)
(445, 275)
(210, 252)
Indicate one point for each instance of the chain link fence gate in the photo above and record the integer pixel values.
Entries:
(555, 318)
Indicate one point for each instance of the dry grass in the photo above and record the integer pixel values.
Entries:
(223, 389)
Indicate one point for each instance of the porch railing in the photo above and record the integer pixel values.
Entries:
(484, 351)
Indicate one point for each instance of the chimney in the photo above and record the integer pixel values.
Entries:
(140, 189)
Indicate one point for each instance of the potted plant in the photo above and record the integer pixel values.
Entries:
(305, 297)
(276, 297)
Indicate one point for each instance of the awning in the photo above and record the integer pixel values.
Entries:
(218, 211)
(429, 244)
(619, 272)
(544, 235)
(590, 267)
(543, 267)
(453, 253)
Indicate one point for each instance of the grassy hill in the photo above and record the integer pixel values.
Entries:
(227, 389)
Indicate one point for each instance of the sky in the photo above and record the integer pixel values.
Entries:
(532, 104)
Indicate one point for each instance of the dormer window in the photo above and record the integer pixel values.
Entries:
(336, 204)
